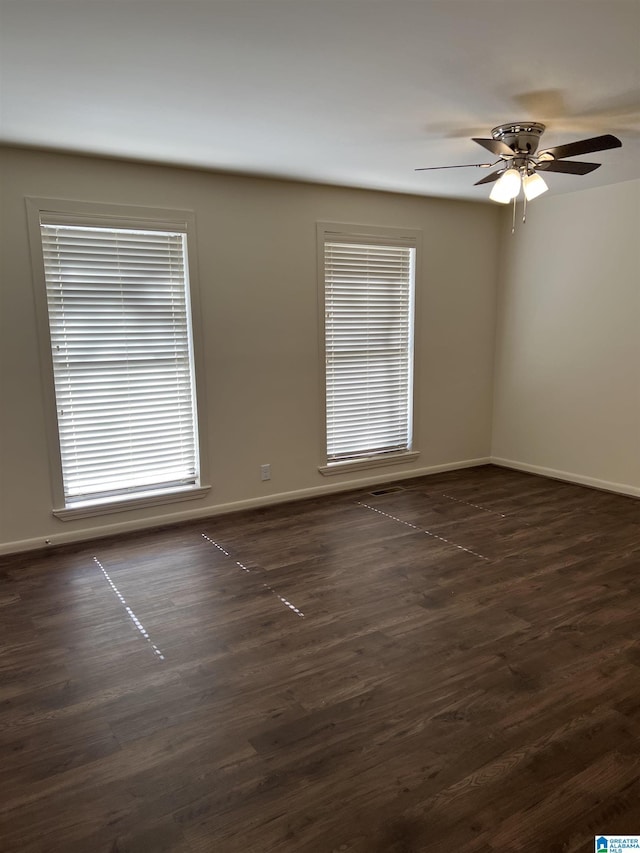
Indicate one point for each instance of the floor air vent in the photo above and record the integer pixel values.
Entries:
(387, 491)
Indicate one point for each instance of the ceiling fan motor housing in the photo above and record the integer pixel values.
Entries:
(522, 137)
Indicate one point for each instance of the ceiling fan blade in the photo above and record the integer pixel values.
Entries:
(583, 146)
(463, 166)
(568, 167)
(489, 179)
(495, 146)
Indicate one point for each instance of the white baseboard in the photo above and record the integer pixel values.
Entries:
(89, 533)
(569, 476)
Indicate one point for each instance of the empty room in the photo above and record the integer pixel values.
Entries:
(319, 426)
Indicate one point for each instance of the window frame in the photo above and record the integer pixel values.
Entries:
(411, 237)
(114, 216)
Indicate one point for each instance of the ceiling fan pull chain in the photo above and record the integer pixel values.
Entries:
(524, 209)
(513, 224)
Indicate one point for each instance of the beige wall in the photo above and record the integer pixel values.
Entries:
(567, 384)
(256, 255)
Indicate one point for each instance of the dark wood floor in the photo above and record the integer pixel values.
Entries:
(452, 667)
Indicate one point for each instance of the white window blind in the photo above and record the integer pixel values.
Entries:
(368, 348)
(122, 359)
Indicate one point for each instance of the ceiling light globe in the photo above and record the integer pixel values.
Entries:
(507, 187)
(498, 194)
(533, 186)
(511, 182)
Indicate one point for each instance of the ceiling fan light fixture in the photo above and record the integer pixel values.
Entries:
(516, 146)
(533, 186)
(507, 187)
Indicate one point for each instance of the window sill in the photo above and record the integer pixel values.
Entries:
(371, 462)
(89, 509)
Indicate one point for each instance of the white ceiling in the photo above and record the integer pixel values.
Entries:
(353, 92)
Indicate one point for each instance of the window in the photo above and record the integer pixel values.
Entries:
(368, 284)
(121, 356)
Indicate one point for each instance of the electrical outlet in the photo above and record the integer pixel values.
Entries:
(265, 472)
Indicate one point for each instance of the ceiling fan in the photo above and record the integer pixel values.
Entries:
(516, 146)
